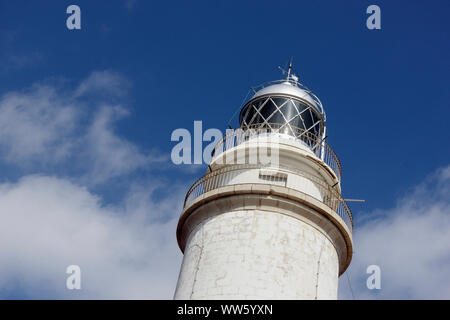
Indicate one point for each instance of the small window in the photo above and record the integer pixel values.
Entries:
(274, 177)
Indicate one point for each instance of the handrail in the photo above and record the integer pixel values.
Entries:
(222, 177)
(318, 146)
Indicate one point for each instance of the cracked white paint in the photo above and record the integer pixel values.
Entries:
(255, 254)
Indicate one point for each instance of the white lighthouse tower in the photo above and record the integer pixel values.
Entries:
(267, 220)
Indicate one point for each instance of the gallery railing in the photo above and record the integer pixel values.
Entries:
(223, 177)
(318, 146)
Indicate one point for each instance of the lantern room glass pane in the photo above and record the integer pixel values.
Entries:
(284, 111)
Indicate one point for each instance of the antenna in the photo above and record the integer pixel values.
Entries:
(289, 69)
(289, 74)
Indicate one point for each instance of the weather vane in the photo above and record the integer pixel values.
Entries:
(289, 73)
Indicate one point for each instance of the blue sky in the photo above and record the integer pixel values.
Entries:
(137, 70)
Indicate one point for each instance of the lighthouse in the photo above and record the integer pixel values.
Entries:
(267, 220)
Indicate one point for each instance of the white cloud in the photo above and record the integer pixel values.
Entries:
(110, 155)
(410, 243)
(50, 223)
(103, 82)
(125, 250)
(47, 125)
(35, 125)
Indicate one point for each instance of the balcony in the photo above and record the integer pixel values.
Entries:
(256, 174)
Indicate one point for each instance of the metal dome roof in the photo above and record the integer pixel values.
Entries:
(286, 88)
